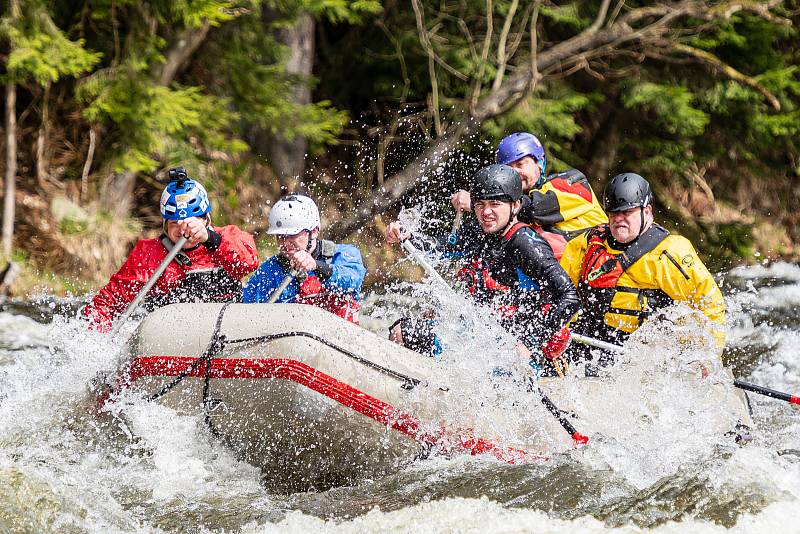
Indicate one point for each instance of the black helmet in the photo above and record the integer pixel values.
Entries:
(496, 182)
(625, 191)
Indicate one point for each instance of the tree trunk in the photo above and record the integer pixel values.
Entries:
(605, 135)
(287, 156)
(41, 141)
(11, 168)
(88, 165)
(185, 45)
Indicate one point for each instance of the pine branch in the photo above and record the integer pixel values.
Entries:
(723, 68)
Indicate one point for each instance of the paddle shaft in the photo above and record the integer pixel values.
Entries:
(453, 239)
(596, 343)
(761, 390)
(563, 421)
(793, 399)
(412, 251)
(150, 283)
(283, 285)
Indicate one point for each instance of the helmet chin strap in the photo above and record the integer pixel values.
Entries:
(310, 241)
(542, 176)
(510, 219)
(641, 216)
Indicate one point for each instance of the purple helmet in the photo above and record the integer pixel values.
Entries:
(518, 145)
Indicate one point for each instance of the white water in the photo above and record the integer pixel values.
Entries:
(653, 465)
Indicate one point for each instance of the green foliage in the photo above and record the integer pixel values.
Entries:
(672, 106)
(552, 117)
(567, 15)
(337, 11)
(148, 116)
(40, 50)
(251, 64)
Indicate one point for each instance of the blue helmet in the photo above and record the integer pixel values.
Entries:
(518, 145)
(183, 198)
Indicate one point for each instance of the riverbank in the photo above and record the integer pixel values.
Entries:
(72, 250)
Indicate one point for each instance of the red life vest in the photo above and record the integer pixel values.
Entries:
(312, 291)
(602, 269)
(557, 241)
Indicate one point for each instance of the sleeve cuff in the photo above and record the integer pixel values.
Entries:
(323, 270)
(214, 240)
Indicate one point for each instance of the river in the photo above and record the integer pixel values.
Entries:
(63, 468)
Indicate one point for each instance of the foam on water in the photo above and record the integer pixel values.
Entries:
(655, 464)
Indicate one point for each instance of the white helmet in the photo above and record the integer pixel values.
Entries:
(293, 214)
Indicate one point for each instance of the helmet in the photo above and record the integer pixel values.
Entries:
(293, 214)
(518, 145)
(625, 191)
(496, 182)
(183, 197)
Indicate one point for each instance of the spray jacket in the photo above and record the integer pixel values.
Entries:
(211, 271)
(669, 271)
(335, 285)
(524, 273)
(564, 204)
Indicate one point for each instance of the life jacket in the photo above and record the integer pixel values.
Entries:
(577, 203)
(312, 291)
(477, 280)
(601, 271)
(198, 285)
(556, 239)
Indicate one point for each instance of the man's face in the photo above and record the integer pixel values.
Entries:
(529, 170)
(493, 215)
(626, 225)
(289, 244)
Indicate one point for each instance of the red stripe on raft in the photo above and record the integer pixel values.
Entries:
(304, 374)
(794, 399)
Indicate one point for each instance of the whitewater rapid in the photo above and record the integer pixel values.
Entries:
(652, 466)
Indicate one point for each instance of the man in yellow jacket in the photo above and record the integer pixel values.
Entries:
(632, 267)
(562, 204)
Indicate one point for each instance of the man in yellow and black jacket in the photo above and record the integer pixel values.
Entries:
(632, 267)
(560, 206)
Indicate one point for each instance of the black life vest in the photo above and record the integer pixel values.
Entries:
(198, 285)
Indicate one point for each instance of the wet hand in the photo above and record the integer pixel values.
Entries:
(195, 231)
(557, 344)
(461, 201)
(523, 351)
(302, 261)
(395, 233)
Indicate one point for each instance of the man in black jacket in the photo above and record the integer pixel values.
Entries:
(535, 296)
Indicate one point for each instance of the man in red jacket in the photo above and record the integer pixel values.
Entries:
(209, 268)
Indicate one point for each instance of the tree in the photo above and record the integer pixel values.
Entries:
(485, 75)
(39, 52)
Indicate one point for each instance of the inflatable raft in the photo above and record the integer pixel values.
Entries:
(316, 401)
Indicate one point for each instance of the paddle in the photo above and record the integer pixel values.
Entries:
(153, 279)
(283, 285)
(453, 239)
(415, 254)
(747, 386)
(761, 390)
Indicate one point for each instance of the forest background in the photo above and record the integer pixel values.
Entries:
(370, 106)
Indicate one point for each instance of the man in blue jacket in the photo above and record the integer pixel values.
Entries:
(326, 274)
